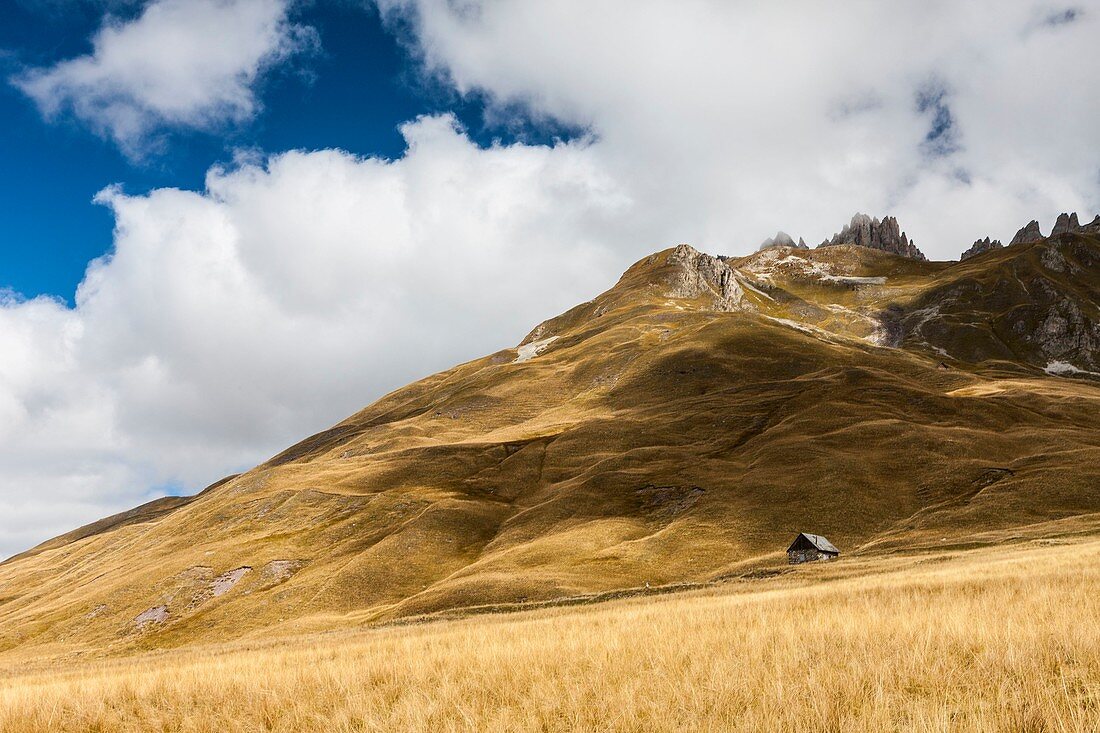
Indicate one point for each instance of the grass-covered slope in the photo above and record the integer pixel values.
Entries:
(681, 427)
(983, 641)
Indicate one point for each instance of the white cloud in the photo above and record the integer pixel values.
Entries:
(228, 323)
(179, 64)
(731, 120)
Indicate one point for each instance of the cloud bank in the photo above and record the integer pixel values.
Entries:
(180, 64)
(231, 322)
(228, 322)
(732, 120)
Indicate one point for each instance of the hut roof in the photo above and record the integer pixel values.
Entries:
(819, 542)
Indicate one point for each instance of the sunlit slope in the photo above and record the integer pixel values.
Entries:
(681, 427)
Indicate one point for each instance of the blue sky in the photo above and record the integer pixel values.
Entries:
(351, 94)
(305, 208)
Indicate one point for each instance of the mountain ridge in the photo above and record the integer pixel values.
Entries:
(679, 427)
(884, 235)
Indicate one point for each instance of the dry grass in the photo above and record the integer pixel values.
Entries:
(979, 642)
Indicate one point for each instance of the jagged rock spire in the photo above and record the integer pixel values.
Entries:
(1065, 223)
(884, 235)
(980, 246)
(1029, 233)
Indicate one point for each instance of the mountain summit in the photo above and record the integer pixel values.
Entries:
(679, 428)
(782, 239)
(883, 235)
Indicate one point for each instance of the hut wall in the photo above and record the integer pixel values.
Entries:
(807, 555)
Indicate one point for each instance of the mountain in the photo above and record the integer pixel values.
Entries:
(883, 235)
(681, 427)
(782, 239)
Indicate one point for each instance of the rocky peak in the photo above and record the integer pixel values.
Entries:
(884, 235)
(781, 239)
(1068, 222)
(1029, 233)
(980, 246)
(1065, 223)
(698, 275)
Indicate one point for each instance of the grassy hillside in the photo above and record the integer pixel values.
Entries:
(680, 428)
(988, 640)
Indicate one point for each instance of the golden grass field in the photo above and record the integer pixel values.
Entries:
(995, 639)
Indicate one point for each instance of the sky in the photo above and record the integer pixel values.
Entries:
(227, 224)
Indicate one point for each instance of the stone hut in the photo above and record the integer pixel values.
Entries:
(810, 547)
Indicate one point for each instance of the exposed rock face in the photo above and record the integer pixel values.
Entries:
(1035, 308)
(883, 235)
(700, 275)
(1066, 223)
(980, 246)
(1065, 333)
(1029, 233)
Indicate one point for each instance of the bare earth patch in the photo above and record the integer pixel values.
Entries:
(154, 615)
(225, 582)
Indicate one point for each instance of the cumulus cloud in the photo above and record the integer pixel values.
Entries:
(730, 120)
(229, 322)
(179, 64)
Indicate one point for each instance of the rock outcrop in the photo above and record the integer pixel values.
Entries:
(697, 275)
(884, 235)
(1029, 233)
(781, 239)
(980, 246)
(1066, 223)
